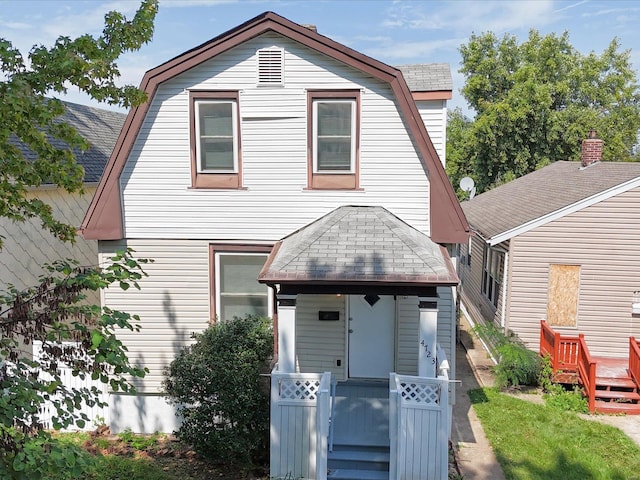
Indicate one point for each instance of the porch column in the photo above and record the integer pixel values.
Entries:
(428, 337)
(287, 333)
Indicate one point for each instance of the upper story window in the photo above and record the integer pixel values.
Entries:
(215, 140)
(334, 139)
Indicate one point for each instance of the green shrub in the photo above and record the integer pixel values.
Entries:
(567, 400)
(218, 389)
(557, 395)
(517, 365)
(41, 457)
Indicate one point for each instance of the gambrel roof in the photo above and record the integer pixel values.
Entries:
(545, 195)
(359, 244)
(104, 217)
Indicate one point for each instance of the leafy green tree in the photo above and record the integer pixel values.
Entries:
(28, 116)
(220, 394)
(458, 137)
(37, 148)
(536, 101)
(73, 333)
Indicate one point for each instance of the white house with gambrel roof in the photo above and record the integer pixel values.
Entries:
(275, 171)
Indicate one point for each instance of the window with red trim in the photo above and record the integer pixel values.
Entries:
(215, 140)
(235, 290)
(333, 132)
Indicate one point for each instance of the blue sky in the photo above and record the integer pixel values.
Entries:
(393, 31)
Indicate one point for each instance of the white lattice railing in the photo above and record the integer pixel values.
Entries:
(419, 392)
(299, 447)
(419, 414)
(298, 387)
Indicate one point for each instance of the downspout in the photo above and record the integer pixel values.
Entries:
(504, 290)
(274, 361)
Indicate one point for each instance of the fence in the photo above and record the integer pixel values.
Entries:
(299, 424)
(95, 413)
(418, 427)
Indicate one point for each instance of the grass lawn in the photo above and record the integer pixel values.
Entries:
(534, 441)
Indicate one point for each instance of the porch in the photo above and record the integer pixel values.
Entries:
(365, 298)
(360, 429)
(611, 385)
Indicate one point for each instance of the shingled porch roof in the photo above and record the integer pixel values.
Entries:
(359, 245)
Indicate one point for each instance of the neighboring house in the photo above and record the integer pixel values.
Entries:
(27, 246)
(560, 244)
(275, 171)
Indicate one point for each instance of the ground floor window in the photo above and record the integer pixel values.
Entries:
(492, 273)
(236, 291)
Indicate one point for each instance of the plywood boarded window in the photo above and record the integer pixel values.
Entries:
(564, 287)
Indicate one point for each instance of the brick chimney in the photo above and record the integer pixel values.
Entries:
(591, 149)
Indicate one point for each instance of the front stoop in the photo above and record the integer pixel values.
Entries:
(617, 395)
(358, 462)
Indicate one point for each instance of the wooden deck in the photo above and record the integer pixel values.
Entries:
(611, 385)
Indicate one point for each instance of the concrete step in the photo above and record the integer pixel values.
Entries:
(358, 457)
(361, 454)
(353, 474)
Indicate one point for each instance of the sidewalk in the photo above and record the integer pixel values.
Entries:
(476, 459)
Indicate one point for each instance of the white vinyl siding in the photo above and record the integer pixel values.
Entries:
(479, 307)
(407, 337)
(434, 117)
(320, 344)
(173, 302)
(274, 200)
(603, 239)
(408, 329)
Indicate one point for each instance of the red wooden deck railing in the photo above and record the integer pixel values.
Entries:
(634, 359)
(570, 354)
(587, 373)
(563, 351)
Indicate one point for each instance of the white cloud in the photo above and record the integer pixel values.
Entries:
(194, 3)
(405, 50)
(467, 16)
(16, 25)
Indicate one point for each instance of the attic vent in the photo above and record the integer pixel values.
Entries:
(270, 66)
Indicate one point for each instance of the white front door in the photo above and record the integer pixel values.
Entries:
(371, 335)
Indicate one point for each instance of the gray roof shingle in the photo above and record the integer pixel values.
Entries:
(99, 127)
(543, 192)
(427, 77)
(359, 244)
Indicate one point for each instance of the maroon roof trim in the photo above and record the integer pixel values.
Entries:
(103, 219)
